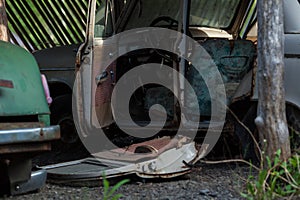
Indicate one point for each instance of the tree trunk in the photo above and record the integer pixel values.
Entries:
(271, 120)
(3, 22)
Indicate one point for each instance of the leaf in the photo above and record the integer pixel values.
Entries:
(117, 196)
(278, 152)
(288, 187)
(117, 186)
(262, 176)
(246, 196)
(269, 161)
(105, 186)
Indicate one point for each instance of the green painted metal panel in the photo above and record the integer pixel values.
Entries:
(21, 91)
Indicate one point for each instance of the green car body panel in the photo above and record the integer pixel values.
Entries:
(24, 121)
(23, 93)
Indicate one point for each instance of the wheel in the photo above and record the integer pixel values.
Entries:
(61, 114)
(249, 150)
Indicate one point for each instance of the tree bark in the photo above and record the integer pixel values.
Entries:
(271, 120)
(3, 22)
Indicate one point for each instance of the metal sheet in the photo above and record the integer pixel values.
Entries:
(169, 163)
(291, 16)
(28, 96)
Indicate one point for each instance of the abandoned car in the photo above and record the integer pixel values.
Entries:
(122, 35)
(25, 127)
(221, 27)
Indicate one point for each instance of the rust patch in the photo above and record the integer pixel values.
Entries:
(20, 125)
(169, 175)
(25, 148)
(6, 83)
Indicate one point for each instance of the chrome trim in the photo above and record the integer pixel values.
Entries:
(29, 135)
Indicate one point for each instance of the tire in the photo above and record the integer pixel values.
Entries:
(248, 149)
(61, 114)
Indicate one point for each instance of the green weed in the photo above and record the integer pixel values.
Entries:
(109, 192)
(281, 179)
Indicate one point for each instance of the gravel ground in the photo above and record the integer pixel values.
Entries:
(221, 181)
(204, 182)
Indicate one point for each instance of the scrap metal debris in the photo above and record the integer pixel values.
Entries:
(158, 158)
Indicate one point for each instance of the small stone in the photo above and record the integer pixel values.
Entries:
(164, 198)
(213, 194)
(204, 192)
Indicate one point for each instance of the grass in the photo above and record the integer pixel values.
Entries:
(109, 192)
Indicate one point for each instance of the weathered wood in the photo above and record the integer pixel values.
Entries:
(3, 22)
(271, 119)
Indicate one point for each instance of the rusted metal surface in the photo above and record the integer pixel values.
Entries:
(12, 149)
(6, 83)
(137, 151)
(20, 125)
(163, 158)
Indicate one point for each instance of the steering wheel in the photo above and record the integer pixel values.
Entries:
(167, 19)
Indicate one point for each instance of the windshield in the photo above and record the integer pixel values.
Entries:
(204, 13)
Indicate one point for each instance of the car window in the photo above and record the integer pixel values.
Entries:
(103, 21)
(204, 13)
(213, 13)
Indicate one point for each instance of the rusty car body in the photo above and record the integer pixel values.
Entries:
(223, 28)
(94, 84)
(216, 31)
